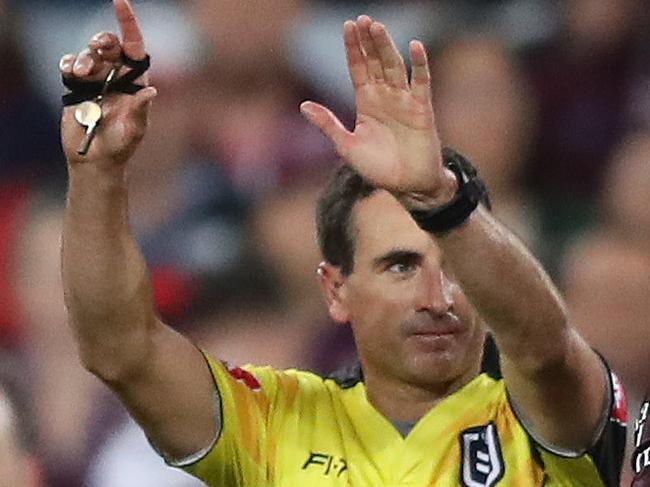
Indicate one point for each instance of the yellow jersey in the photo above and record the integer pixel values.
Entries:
(293, 428)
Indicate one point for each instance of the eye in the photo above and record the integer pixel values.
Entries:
(401, 267)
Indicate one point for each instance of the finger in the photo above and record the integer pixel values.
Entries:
(87, 65)
(329, 124)
(65, 65)
(356, 59)
(144, 97)
(391, 60)
(132, 40)
(107, 45)
(420, 74)
(142, 101)
(375, 70)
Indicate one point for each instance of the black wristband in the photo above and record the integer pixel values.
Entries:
(81, 91)
(471, 192)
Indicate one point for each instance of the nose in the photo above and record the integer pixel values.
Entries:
(435, 294)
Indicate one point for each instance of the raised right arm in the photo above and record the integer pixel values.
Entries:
(158, 374)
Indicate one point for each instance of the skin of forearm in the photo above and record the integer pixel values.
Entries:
(508, 287)
(544, 361)
(106, 286)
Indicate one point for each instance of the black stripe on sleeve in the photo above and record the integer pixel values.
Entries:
(609, 450)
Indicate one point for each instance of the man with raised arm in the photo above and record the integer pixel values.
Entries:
(412, 261)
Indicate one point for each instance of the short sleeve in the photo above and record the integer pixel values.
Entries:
(601, 463)
(240, 454)
(609, 449)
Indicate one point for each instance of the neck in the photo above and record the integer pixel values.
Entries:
(399, 400)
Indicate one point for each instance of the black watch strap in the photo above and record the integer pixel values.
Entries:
(471, 192)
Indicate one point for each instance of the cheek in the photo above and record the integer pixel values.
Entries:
(378, 300)
(376, 326)
(377, 311)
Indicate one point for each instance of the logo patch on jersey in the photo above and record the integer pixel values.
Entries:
(482, 459)
(243, 376)
(619, 408)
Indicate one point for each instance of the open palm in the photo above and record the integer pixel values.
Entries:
(395, 144)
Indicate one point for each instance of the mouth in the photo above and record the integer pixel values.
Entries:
(428, 327)
(434, 341)
(436, 333)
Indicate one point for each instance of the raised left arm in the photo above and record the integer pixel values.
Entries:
(555, 380)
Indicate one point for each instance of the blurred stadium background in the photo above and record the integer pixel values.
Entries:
(551, 99)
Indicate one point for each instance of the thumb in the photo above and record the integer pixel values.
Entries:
(143, 99)
(328, 123)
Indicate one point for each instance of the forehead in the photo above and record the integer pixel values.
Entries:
(381, 224)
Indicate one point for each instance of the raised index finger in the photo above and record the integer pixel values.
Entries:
(132, 40)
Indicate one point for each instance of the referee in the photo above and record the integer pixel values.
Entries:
(470, 372)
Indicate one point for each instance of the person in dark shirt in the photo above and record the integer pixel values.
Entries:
(641, 455)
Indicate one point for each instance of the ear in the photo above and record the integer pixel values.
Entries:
(332, 285)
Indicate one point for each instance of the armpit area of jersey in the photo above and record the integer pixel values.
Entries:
(641, 455)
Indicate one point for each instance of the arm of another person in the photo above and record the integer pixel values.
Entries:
(158, 374)
(555, 379)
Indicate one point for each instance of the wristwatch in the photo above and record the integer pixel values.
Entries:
(471, 192)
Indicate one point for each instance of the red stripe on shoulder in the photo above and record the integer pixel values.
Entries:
(243, 376)
(619, 408)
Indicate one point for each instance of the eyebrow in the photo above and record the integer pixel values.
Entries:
(396, 255)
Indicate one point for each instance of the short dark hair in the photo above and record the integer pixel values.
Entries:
(334, 225)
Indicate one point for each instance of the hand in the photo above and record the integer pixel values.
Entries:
(124, 117)
(395, 144)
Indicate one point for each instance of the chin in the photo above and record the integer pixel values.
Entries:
(436, 367)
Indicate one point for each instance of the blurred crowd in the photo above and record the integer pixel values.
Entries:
(551, 100)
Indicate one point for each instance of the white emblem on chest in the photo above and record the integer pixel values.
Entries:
(482, 460)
